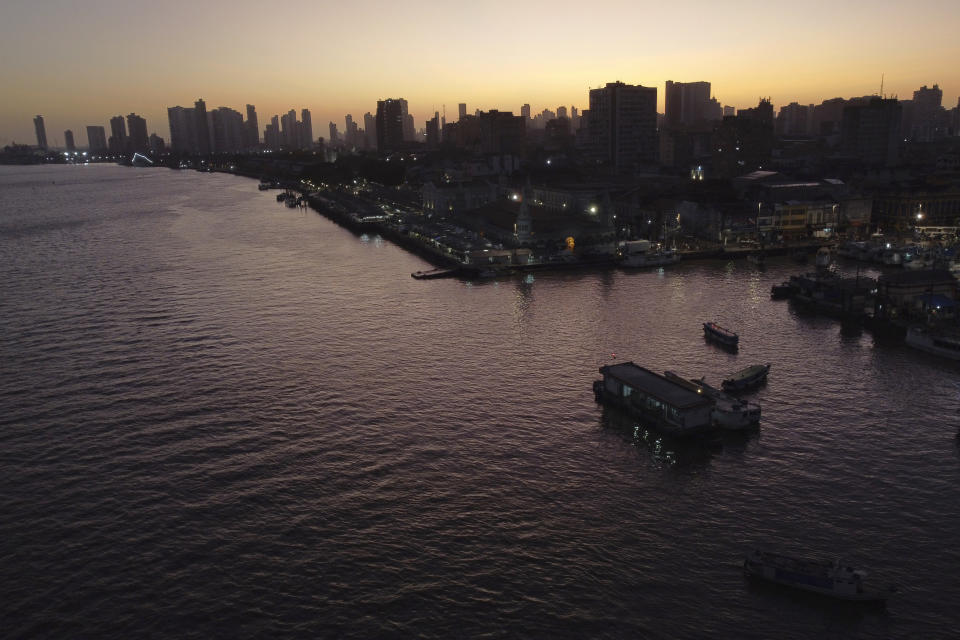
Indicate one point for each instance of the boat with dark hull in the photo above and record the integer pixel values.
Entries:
(833, 579)
(747, 378)
(716, 333)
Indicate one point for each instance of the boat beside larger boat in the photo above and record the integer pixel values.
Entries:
(747, 378)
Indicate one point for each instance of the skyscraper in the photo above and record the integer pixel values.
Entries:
(462, 111)
(202, 127)
(871, 132)
(623, 124)
(96, 139)
(370, 130)
(118, 135)
(252, 128)
(334, 136)
(390, 115)
(306, 129)
(525, 111)
(68, 140)
(271, 134)
(228, 130)
(289, 133)
(686, 103)
(183, 130)
(139, 138)
(41, 132)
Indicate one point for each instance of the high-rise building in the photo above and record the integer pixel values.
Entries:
(251, 127)
(433, 131)
(156, 143)
(623, 125)
(871, 132)
(118, 135)
(561, 112)
(68, 140)
(290, 130)
(306, 129)
(96, 139)
(390, 116)
(370, 130)
(462, 110)
(202, 127)
(228, 130)
(41, 132)
(139, 138)
(729, 110)
(929, 121)
(183, 130)
(686, 103)
(525, 111)
(271, 134)
(795, 119)
(334, 136)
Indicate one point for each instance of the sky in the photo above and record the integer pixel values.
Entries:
(79, 62)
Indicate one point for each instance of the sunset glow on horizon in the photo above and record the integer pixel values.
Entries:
(78, 64)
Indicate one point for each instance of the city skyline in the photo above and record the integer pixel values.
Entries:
(510, 55)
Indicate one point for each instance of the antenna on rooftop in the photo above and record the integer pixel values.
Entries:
(881, 85)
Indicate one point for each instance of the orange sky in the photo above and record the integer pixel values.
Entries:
(79, 63)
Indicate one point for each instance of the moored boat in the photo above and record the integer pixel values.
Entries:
(933, 341)
(827, 578)
(643, 253)
(747, 378)
(782, 290)
(728, 412)
(715, 332)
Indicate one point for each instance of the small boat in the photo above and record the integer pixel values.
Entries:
(728, 412)
(263, 186)
(643, 253)
(936, 342)
(713, 331)
(782, 290)
(747, 378)
(827, 578)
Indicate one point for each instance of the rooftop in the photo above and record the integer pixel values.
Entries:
(655, 385)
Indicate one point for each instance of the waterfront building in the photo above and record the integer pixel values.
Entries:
(202, 127)
(41, 131)
(523, 227)
(138, 139)
(156, 143)
(289, 130)
(456, 197)
(68, 140)
(901, 206)
(622, 125)
(96, 139)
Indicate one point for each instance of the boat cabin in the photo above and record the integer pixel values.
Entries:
(675, 408)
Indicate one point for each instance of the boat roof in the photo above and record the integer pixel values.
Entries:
(655, 385)
(748, 371)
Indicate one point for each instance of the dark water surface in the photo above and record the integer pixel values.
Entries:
(225, 418)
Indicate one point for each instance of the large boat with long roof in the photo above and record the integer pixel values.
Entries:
(829, 578)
